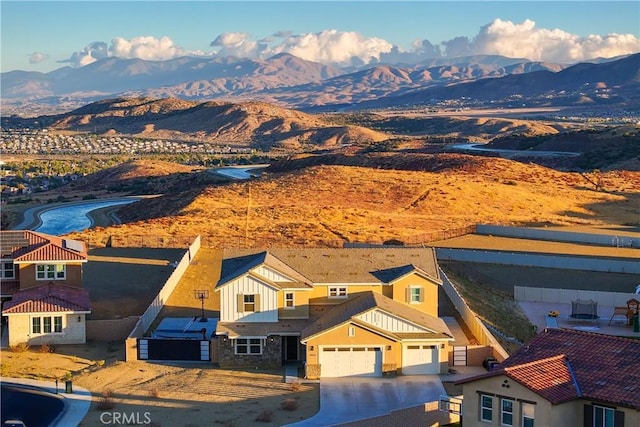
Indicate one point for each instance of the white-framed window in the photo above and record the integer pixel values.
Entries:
(289, 302)
(528, 414)
(415, 295)
(51, 272)
(603, 417)
(249, 302)
(351, 331)
(338, 292)
(506, 412)
(7, 271)
(249, 346)
(486, 408)
(46, 325)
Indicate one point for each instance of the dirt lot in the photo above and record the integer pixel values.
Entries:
(174, 395)
(123, 281)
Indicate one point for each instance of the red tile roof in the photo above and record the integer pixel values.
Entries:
(52, 297)
(29, 246)
(551, 378)
(605, 368)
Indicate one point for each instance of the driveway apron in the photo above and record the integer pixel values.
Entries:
(353, 398)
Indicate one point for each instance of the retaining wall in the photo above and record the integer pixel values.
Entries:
(559, 236)
(158, 302)
(567, 262)
(479, 330)
(554, 295)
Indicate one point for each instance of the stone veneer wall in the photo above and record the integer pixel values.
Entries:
(271, 356)
(312, 372)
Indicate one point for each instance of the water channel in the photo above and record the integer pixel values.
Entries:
(65, 219)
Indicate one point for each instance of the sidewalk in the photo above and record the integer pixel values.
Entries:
(76, 404)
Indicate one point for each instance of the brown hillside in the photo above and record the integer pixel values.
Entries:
(255, 124)
(326, 204)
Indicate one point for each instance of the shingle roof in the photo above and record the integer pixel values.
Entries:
(605, 368)
(29, 246)
(365, 301)
(51, 297)
(261, 329)
(234, 266)
(337, 265)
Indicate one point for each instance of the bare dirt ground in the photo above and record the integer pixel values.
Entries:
(173, 395)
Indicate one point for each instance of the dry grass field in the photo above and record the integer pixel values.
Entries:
(328, 204)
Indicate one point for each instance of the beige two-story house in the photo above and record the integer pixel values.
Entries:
(341, 311)
(562, 377)
(43, 300)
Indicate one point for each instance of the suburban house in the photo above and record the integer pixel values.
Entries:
(561, 377)
(43, 300)
(348, 311)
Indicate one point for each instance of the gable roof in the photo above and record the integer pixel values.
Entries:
(50, 297)
(336, 265)
(605, 368)
(25, 246)
(234, 267)
(365, 301)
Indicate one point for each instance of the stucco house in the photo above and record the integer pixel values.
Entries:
(43, 300)
(562, 377)
(349, 311)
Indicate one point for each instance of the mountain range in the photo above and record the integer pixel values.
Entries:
(290, 81)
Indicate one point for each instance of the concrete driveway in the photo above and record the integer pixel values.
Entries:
(353, 398)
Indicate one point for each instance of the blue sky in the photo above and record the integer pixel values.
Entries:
(41, 36)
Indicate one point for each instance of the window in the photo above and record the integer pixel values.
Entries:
(46, 325)
(352, 331)
(57, 324)
(249, 303)
(36, 325)
(249, 346)
(528, 412)
(506, 412)
(486, 408)
(415, 295)
(50, 272)
(337, 292)
(603, 417)
(288, 300)
(7, 271)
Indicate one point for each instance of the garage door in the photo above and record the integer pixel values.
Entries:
(350, 361)
(420, 360)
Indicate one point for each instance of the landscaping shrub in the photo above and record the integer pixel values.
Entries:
(289, 404)
(19, 348)
(265, 416)
(106, 402)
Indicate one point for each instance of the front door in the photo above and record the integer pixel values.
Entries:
(290, 348)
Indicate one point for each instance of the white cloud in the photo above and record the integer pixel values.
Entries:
(238, 44)
(144, 47)
(147, 47)
(37, 57)
(333, 46)
(525, 40)
(500, 37)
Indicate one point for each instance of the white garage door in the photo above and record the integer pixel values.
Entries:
(420, 360)
(350, 361)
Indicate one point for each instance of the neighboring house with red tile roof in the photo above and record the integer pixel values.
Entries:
(41, 288)
(562, 377)
(348, 311)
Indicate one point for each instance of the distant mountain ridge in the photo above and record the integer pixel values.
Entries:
(290, 81)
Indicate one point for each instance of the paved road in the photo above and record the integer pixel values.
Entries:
(354, 398)
(480, 148)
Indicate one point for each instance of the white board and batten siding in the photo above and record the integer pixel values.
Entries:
(389, 322)
(271, 274)
(247, 285)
